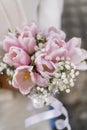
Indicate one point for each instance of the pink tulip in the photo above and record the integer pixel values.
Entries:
(16, 57)
(23, 79)
(9, 41)
(32, 27)
(82, 66)
(55, 48)
(45, 67)
(55, 45)
(27, 41)
(74, 42)
(76, 54)
(53, 32)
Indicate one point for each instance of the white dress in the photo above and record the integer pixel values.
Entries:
(16, 12)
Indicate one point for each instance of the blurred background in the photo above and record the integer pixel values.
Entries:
(74, 23)
(13, 106)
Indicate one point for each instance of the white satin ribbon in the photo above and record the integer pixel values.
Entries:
(56, 112)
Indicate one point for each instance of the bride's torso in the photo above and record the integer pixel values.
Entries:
(16, 12)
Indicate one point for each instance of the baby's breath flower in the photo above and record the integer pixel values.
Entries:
(65, 76)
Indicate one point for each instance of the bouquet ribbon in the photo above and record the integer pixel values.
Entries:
(58, 110)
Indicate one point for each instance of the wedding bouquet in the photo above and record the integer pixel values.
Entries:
(41, 63)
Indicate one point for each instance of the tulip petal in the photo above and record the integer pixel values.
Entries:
(40, 81)
(23, 79)
(82, 66)
(74, 42)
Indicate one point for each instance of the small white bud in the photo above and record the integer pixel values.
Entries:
(72, 84)
(57, 75)
(71, 80)
(57, 58)
(73, 65)
(38, 88)
(8, 71)
(61, 63)
(42, 89)
(10, 83)
(61, 68)
(67, 90)
(48, 57)
(1, 69)
(53, 82)
(72, 71)
(62, 58)
(39, 36)
(32, 57)
(65, 81)
(67, 66)
(63, 75)
(61, 88)
(45, 91)
(77, 73)
(73, 76)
